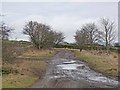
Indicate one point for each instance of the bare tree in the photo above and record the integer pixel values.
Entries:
(59, 37)
(81, 38)
(41, 35)
(87, 35)
(5, 31)
(38, 33)
(48, 40)
(108, 29)
(92, 31)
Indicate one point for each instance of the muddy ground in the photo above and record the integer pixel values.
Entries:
(65, 71)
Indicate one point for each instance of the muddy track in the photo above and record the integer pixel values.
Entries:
(65, 71)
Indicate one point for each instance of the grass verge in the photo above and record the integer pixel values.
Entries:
(106, 64)
(19, 72)
(23, 73)
(28, 73)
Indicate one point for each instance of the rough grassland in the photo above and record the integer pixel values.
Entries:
(28, 73)
(39, 54)
(20, 72)
(106, 64)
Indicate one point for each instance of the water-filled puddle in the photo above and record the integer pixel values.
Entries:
(77, 70)
(103, 79)
(69, 66)
(70, 62)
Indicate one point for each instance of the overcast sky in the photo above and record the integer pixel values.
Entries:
(61, 16)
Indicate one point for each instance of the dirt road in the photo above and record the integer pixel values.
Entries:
(66, 72)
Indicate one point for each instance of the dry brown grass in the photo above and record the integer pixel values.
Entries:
(11, 49)
(28, 73)
(101, 62)
(40, 54)
(20, 73)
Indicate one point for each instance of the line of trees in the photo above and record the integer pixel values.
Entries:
(90, 34)
(42, 36)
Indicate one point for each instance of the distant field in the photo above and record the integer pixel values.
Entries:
(106, 64)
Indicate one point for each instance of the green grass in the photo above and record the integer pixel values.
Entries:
(106, 64)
